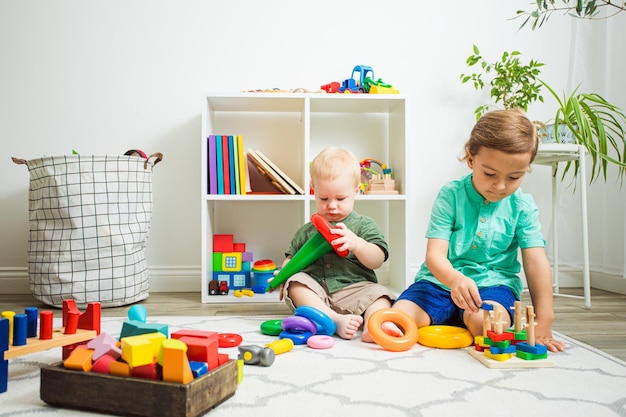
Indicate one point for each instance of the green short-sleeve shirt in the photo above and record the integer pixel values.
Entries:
(484, 237)
(332, 270)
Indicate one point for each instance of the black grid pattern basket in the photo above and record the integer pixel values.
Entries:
(89, 221)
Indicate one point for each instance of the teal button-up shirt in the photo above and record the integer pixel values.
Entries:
(484, 237)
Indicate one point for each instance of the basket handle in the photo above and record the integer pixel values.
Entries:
(19, 161)
(157, 155)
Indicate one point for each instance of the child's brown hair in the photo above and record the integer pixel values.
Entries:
(509, 131)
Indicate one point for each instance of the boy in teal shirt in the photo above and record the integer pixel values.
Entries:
(478, 225)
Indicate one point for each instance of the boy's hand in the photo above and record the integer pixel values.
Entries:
(279, 288)
(543, 336)
(465, 295)
(346, 240)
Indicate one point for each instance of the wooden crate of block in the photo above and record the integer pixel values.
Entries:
(136, 396)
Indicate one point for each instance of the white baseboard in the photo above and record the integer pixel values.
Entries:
(162, 279)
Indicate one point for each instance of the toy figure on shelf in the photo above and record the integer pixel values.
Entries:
(375, 183)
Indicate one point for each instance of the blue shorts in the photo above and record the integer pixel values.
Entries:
(436, 301)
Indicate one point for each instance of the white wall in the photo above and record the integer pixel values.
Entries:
(102, 77)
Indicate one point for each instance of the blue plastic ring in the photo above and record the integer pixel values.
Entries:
(299, 324)
(317, 316)
(297, 338)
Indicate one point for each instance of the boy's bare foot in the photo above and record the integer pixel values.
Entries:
(347, 325)
(392, 329)
(365, 336)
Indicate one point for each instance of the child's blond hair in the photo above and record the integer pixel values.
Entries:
(333, 162)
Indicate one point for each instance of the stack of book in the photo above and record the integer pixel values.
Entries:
(233, 171)
(226, 165)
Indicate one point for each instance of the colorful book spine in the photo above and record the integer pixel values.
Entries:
(241, 159)
(232, 165)
(212, 165)
(225, 165)
(218, 165)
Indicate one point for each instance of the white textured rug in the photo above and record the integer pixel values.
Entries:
(359, 379)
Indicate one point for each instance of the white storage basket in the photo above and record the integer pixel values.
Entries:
(89, 221)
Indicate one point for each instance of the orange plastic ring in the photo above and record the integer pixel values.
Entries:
(389, 342)
(445, 337)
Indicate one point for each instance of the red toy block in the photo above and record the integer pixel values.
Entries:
(202, 350)
(239, 247)
(45, 330)
(71, 322)
(223, 243)
(500, 337)
(103, 364)
(222, 358)
(89, 320)
(148, 371)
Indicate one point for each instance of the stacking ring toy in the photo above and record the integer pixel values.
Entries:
(297, 338)
(299, 324)
(271, 327)
(389, 342)
(317, 316)
(226, 340)
(320, 341)
(445, 337)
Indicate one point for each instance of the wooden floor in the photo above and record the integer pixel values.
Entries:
(603, 326)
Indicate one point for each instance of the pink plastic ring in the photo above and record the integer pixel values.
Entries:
(299, 324)
(320, 341)
(226, 340)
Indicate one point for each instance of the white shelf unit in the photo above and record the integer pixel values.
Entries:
(291, 129)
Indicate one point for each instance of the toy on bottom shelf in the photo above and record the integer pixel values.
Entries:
(511, 348)
(316, 246)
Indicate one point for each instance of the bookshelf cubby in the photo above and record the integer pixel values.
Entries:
(291, 129)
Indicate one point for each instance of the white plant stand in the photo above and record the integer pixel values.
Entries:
(552, 155)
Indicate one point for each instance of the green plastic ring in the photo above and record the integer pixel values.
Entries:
(272, 327)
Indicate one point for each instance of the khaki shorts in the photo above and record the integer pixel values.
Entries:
(353, 299)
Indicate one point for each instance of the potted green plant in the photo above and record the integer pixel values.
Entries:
(512, 84)
(597, 125)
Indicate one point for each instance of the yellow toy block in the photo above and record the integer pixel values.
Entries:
(141, 349)
(80, 359)
(175, 363)
(231, 261)
(119, 369)
(500, 357)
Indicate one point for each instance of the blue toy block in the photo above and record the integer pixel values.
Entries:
(535, 350)
(4, 346)
(32, 313)
(236, 280)
(20, 325)
(487, 306)
(498, 350)
(198, 368)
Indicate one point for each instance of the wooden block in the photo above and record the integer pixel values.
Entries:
(175, 363)
(135, 396)
(58, 339)
(138, 350)
(80, 359)
(117, 368)
(512, 363)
